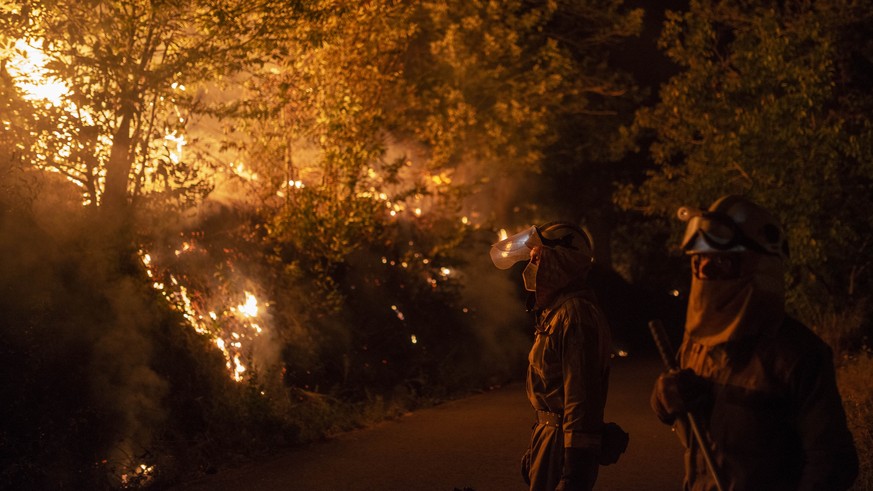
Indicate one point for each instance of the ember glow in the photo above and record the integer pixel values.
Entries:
(291, 185)
(26, 64)
(250, 308)
(175, 150)
(242, 171)
(25, 61)
(232, 329)
(142, 475)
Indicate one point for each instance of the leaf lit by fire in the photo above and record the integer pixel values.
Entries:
(241, 170)
(26, 64)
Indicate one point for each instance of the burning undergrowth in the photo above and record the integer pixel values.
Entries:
(389, 325)
(216, 339)
(105, 386)
(210, 274)
(403, 307)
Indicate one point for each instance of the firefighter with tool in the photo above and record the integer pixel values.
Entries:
(752, 394)
(568, 369)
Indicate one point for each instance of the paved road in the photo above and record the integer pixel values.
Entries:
(472, 443)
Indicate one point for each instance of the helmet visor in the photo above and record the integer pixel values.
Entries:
(514, 248)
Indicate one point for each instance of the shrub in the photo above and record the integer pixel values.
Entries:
(855, 379)
(843, 328)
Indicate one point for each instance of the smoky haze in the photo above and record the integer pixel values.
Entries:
(501, 323)
(78, 345)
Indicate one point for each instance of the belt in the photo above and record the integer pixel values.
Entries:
(549, 419)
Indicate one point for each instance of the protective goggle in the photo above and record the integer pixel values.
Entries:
(718, 231)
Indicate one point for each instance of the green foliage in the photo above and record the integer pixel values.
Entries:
(493, 79)
(770, 102)
(319, 231)
(415, 107)
(485, 80)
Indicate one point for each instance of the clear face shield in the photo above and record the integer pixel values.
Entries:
(515, 248)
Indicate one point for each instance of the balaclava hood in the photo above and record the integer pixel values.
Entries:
(726, 310)
(564, 264)
(723, 310)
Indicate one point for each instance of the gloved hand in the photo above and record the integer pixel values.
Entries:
(677, 392)
(580, 470)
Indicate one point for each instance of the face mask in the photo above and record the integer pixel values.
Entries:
(746, 302)
(530, 277)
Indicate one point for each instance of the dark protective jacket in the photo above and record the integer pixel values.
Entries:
(775, 419)
(567, 383)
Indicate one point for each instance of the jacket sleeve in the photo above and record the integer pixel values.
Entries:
(830, 458)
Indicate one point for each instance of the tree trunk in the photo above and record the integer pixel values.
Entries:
(114, 203)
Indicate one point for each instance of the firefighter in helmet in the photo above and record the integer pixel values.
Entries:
(569, 362)
(760, 384)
